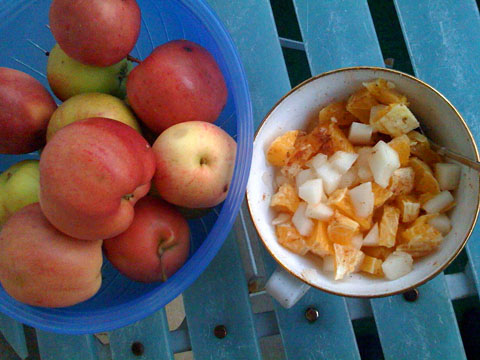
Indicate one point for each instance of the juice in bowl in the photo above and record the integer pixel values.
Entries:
(346, 193)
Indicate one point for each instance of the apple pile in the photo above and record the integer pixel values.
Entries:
(132, 148)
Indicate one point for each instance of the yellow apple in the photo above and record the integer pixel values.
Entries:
(89, 105)
(19, 187)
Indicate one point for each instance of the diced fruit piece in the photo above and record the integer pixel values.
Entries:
(388, 226)
(342, 161)
(384, 91)
(447, 175)
(397, 120)
(360, 134)
(303, 176)
(330, 177)
(317, 161)
(376, 112)
(329, 263)
(439, 203)
(420, 147)
(311, 191)
(318, 242)
(402, 181)
(308, 145)
(380, 252)
(339, 140)
(372, 266)
(340, 200)
(398, 264)
(401, 145)
(349, 179)
(347, 260)
(363, 168)
(342, 229)
(337, 111)
(372, 238)
(383, 162)
(281, 148)
(380, 195)
(302, 223)
(442, 223)
(420, 238)
(409, 208)
(360, 103)
(319, 211)
(357, 241)
(289, 237)
(362, 199)
(281, 219)
(425, 182)
(285, 199)
(291, 171)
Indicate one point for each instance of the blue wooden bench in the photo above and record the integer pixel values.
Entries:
(443, 42)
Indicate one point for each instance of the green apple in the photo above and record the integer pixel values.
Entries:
(68, 77)
(90, 105)
(19, 187)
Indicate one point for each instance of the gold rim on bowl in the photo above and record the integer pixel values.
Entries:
(462, 121)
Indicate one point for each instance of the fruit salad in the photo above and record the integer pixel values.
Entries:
(363, 191)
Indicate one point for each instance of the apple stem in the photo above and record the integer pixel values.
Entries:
(133, 59)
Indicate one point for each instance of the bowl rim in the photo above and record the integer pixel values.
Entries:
(477, 158)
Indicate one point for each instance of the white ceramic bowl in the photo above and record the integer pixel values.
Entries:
(441, 122)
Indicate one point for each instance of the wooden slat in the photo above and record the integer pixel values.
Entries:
(151, 332)
(220, 297)
(13, 332)
(443, 41)
(66, 347)
(345, 26)
(424, 329)
(337, 34)
(252, 27)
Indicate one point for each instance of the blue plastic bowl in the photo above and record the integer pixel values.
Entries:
(24, 38)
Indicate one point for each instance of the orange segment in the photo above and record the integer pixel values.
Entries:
(372, 266)
(347, 260)
(425, 181)
(318, 242)
(380, 252)
(384, 92)
(388, 226)
(360, 103)
(289, 237)
(338, 112)
(380, 195)
(420, 147)
(281, 148)
(409, 207)
(342, 229)
(420, 238)
(340, 200)
(285, 199)
(401, 145)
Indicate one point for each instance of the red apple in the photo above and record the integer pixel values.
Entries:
(155, 246)
(195, 162)
(179, 81)
(25, 108)
(41, 266)
(91, 174)
(95, 32)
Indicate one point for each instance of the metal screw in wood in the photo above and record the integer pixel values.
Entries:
(137, 348)
(220, 331)
(411, 295)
